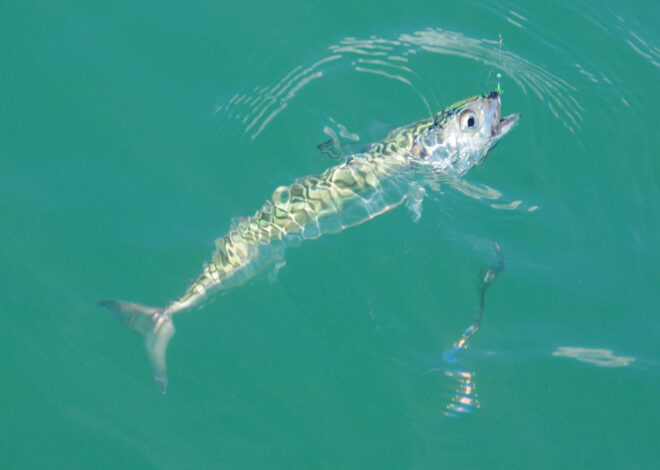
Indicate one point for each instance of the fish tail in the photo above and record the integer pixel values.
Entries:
(154, 325)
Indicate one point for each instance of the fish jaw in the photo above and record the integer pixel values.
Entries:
(505, 125)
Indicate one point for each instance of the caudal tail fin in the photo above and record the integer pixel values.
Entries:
(156, 327)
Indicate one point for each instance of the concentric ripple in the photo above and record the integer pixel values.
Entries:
(390, 58)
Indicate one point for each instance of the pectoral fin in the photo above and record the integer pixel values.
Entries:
(334, 150)
(414, 201)
(331, 149)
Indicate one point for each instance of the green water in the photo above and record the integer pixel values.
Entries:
(132, 132)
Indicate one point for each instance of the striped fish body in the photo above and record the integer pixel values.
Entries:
(367, 185)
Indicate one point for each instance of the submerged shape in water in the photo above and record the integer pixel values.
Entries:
(381, 177)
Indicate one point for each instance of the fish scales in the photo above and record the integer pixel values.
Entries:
(294, 213)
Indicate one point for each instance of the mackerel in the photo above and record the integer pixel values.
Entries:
(383, 176)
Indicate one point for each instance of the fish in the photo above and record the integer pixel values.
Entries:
(386, 174)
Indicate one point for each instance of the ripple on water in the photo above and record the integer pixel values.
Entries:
(389, 58)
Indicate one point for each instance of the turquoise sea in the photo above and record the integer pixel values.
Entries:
(131, 133)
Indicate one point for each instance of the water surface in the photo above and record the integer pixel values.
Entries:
(131, 134)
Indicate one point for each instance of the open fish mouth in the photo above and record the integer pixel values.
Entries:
(505, 125)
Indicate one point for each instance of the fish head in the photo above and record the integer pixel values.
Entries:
(461, 135)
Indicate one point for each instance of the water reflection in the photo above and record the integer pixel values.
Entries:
(464, 400)
(599, 357)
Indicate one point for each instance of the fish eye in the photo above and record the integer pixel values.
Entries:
(468, 120)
